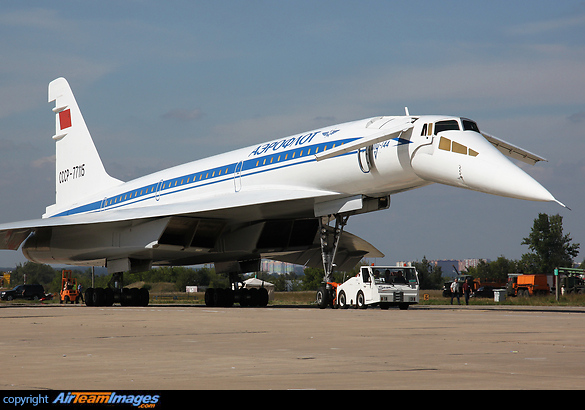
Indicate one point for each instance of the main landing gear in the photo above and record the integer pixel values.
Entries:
(245, 297)
(253, 297)
(115, 293)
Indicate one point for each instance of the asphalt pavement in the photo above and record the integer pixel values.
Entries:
(289, 347)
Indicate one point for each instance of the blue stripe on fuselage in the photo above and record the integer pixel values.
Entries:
(207, 177)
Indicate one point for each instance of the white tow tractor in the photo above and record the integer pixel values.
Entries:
(382, 285)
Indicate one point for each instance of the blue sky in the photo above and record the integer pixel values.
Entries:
(162, 83)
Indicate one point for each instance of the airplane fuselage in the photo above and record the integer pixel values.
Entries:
(287, 163)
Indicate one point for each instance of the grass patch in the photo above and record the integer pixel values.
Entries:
(436, 298)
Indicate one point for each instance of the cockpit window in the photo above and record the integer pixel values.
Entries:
(469, 125)
(446, 126)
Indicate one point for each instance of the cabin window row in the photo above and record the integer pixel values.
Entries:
(201, 176)
(297, 153)
(169, 184)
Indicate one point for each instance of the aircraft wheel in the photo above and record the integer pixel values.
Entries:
(209, 297)
(263, 297)
(126, 297)
(89, 297)
(134, 297)
(98, 297)
(342, 300)
(218, 297)
(253, 292)
(108, 297)
(222, 298)
(229, 298)
(244, 297)
(360, 301)
(144, 297)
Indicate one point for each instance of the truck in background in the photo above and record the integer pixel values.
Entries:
(527, 285)
(572, 283)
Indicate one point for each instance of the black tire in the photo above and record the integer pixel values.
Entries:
(98, 297)
(403, 306)
(217, 297)
(360, 301)
(108, 297)
(263, 297)
(322, 298)
(254, 297)
(144, 297)
(126, 297)
(244, 297)
(225, 297)
(209, 297)
(342, 300)
(229, 298)
(89, 297)
(135, 297)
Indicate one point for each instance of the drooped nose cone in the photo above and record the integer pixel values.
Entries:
(467, 160)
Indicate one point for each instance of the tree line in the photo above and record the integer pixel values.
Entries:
(549, 248)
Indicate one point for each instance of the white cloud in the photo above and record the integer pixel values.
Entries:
(498, 83)
(44, 162)
(548, 26)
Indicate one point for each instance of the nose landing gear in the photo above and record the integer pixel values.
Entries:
(329, 237)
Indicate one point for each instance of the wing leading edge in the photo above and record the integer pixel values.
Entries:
(228, 207)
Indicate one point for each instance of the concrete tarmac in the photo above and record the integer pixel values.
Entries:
(199, 348)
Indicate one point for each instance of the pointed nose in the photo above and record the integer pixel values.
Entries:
(502, 177)
(468, 160)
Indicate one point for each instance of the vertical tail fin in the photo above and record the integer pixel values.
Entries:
(79, 169)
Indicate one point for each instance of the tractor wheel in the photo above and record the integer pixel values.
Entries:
(360, 301)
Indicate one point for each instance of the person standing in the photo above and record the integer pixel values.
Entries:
(455, 291)
(80, 290)
(467, 290)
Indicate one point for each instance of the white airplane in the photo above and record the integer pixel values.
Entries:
(287, 199)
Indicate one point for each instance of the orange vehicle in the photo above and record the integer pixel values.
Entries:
(69, 291)
(493, 283)
(528, 285)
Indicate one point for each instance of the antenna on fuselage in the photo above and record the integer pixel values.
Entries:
(406, 111)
